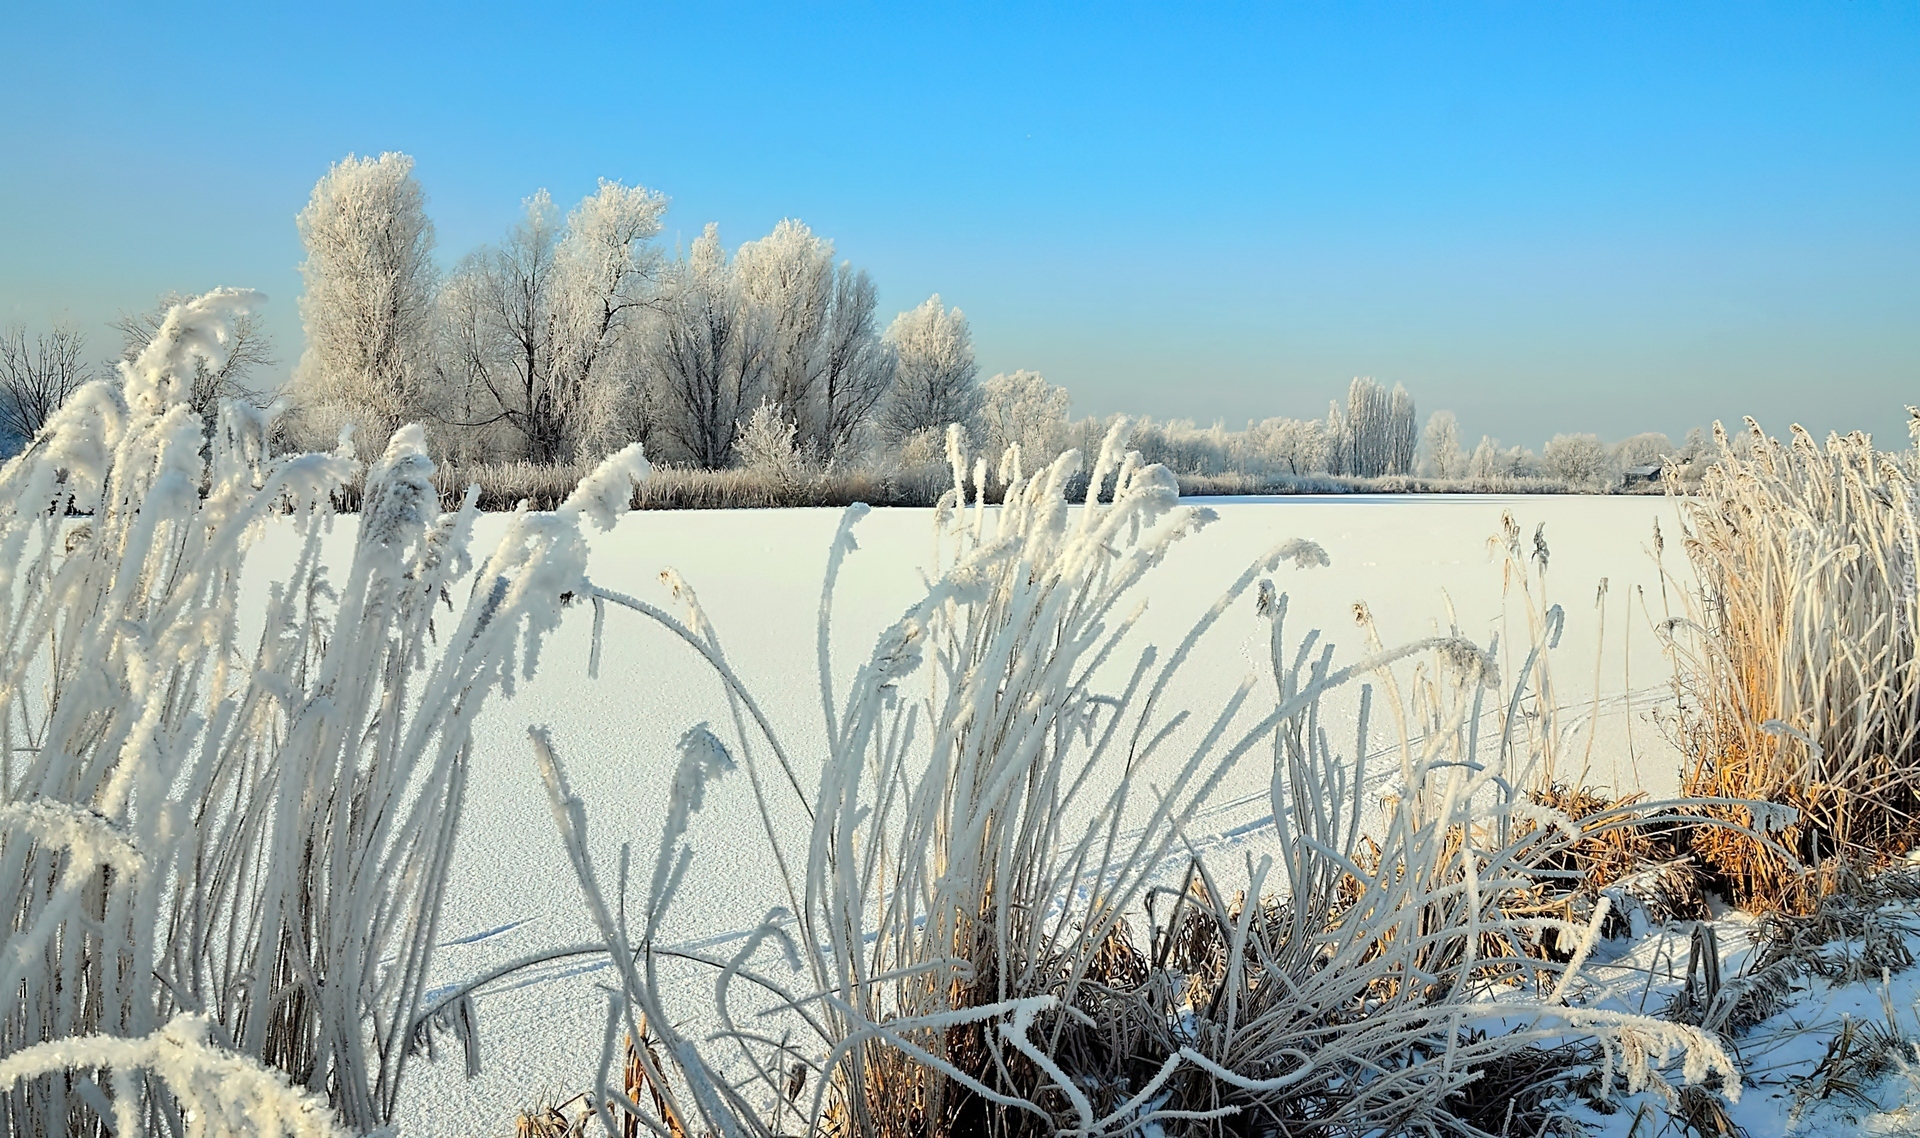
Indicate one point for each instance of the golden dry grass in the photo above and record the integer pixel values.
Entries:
(1797, 666)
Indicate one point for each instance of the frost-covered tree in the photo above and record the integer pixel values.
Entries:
(1337, 454)
(933, 382)
(1647, 449)
(535, 326)
(789, 276)
(1402, 432)
(1440, 447)
(249, 350)
(1182, 446)
(1368, 429)
(1023, 409)
(1265, 447)
(709, 356)
(35, 379)
(467, 355)
(857, 366)
(1299, 446)
(1486, 462)
(768, 443)
(368, 307)
(826, 364)
(1579, 460)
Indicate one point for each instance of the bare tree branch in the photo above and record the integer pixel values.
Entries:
(36, 377)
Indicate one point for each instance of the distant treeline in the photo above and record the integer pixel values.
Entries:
(763, 376)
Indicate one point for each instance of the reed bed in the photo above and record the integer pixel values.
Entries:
(1797, 665)
(503, 486)
(223, 863)
(972, 940)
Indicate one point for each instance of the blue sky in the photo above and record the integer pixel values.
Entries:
(1607, 217)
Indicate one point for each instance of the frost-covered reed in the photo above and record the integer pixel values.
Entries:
(254, 836)
(1799, 664)
(998, 921)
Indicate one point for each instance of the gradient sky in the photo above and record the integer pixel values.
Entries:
(1608, 217)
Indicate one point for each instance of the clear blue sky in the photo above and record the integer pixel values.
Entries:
(1547, 217)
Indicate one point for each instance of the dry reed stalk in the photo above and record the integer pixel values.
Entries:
(549, 1120)
(635, 1079)
(1702, 1114)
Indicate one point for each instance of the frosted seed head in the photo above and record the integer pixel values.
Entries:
(401, 498)
(200, 329)
(607, 493)
(1009, 471)
(703, 757)
(897, 653)
(1471, 666)
(957, 459)
(1304, 554)
(1130, 465)
(1155, 489)
(69, 461)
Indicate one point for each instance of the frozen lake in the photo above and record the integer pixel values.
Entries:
(757, 573)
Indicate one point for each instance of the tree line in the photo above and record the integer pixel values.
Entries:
(578, 333)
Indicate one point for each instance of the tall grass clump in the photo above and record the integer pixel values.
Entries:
(224, 858)
(1798, 663)
(1001, 921)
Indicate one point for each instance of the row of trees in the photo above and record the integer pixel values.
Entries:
(577, 333)
(1354, 440)
(840, 385)
(1296, 447)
